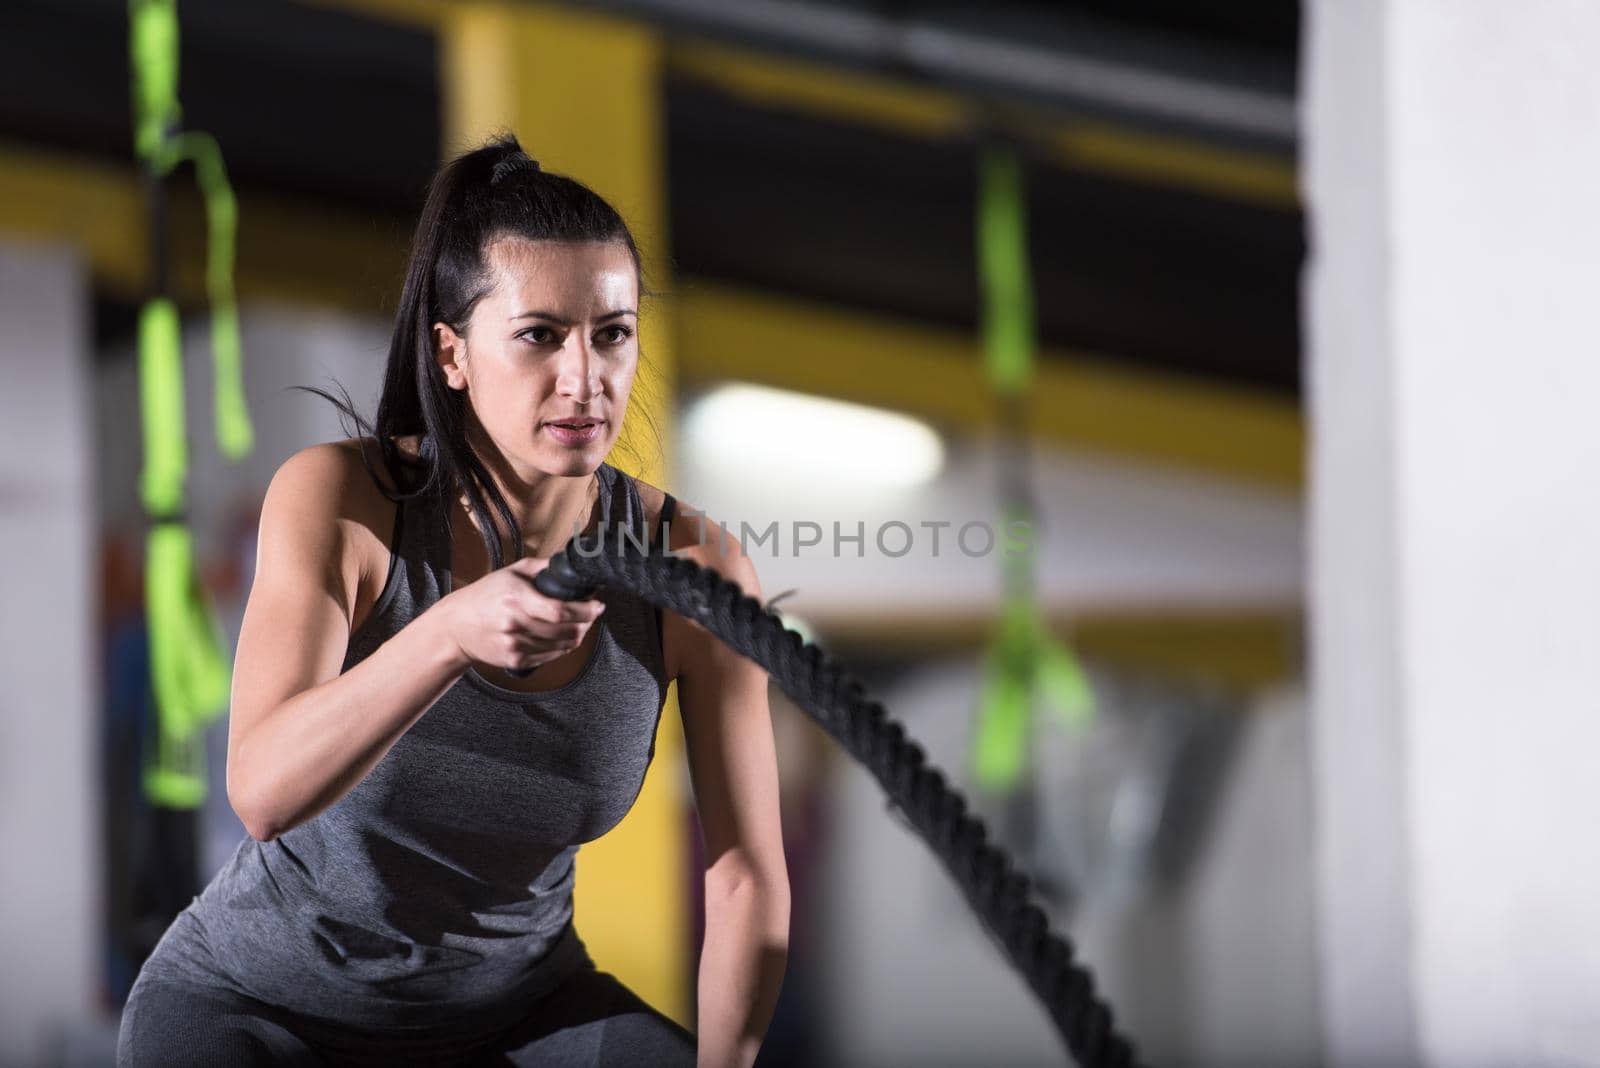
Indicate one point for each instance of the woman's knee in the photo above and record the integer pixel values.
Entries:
(595, 1021)
(173, 1024)
(635, 1032)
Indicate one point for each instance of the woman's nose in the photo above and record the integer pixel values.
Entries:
(578, 374)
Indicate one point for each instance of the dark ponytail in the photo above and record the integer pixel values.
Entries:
(490, 192)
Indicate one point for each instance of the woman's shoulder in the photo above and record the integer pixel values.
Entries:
(332, 483)
(651, 499)
(347, 479)
(700, 538)
(695, 535)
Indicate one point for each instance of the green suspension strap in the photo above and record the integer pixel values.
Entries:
(1025, 661)
(189, 664)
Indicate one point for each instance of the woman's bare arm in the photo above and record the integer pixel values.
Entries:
(733, 766)
(300, 734)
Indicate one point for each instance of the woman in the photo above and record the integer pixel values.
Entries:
(414, 807)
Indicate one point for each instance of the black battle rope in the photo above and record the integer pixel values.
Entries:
(997, 892)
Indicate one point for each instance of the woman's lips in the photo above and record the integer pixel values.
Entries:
(573, 434)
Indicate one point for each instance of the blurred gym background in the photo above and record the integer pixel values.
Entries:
(1313, 529)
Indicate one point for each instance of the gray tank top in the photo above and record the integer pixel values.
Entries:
(440, 887)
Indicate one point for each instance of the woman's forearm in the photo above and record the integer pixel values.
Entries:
(312, 749)
(741, 971)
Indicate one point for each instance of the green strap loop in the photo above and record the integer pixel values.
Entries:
(1025, 662)
(189, 663)
(153, 56)
(191, 673)
(189, 669)
(161, 408)
(234, 433)
(1008, 319)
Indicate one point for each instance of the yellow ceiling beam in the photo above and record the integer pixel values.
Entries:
(814, 88)
(780, 83)
(1259, 178)
(287, 250)
(94, 206)
(937, 373)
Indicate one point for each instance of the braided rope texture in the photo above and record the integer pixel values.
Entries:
(995, 889)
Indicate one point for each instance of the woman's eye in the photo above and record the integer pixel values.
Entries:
(538, 335)
(616, 335)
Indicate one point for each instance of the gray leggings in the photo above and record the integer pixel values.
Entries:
(591, 1020)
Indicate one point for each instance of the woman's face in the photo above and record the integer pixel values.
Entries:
(549, 354)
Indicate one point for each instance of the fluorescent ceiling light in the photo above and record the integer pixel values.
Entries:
(762, 433)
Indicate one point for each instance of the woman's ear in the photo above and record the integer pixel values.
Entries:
(450, 350)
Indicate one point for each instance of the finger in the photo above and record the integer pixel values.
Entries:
(540, 631)
(583, 611)
(528, 661)
(538, 606)
(535, 650)
(528, 566)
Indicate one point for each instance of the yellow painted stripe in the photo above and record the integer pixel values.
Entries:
(1236, 650)
(937, 373)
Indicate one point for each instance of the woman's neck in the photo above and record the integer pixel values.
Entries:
(548, 512)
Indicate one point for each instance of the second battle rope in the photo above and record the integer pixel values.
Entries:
(997, 892)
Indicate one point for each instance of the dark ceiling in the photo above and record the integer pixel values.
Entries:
(1271, 27)
(331, 107)
(303, 100)
(1144, 274)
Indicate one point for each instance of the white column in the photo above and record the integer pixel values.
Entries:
(1452, 171)
(1358, 744)
(50, 921)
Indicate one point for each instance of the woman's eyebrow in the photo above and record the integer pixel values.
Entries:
(559, 321)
